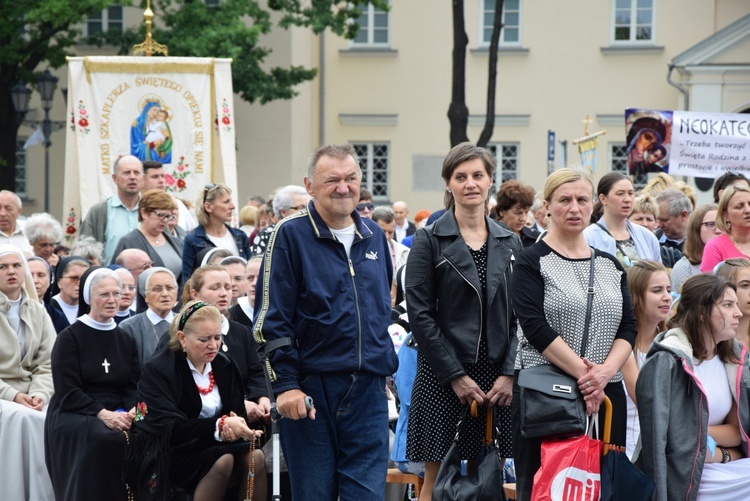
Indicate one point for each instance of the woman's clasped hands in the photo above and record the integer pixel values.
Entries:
(592, 385)
(235, 427)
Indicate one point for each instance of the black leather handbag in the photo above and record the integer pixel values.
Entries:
(552, 406)
(486, 484)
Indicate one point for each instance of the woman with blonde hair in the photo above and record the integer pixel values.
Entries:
(191, 421)
(645, 212)
(733, 218)
(213, 209)
(648, 283)
(550, 285)
(701, 228)
(737, 271)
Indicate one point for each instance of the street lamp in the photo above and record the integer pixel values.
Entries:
(46, 83)
(20, 95)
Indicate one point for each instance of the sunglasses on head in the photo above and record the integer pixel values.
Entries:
(206, 189)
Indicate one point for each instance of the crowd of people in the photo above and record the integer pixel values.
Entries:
(144, 342)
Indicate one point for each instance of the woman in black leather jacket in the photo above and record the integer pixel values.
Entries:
(457, 281)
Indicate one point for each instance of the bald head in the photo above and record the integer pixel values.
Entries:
(10, 209)
(127, 173)
(401, 210)
(135, 261)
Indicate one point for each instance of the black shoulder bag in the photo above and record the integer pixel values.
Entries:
(485, 484)
(552, 406)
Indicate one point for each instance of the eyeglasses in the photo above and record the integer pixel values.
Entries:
(73, 278)
(130, 288)
(711, 225)
(159, 289)
(298, 207)
(45, 244)
(364, 207)
(164, 217)
(206, 189)
(105, 297)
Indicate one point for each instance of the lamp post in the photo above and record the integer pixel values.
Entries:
(46, 84)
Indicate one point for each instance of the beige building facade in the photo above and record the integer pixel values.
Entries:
(388, 92)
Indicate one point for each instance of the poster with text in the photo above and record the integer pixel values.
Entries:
(709, 144)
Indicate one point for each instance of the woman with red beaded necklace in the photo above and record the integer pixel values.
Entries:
(191, 416)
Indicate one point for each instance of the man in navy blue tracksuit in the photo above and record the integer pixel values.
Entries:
(326, 279)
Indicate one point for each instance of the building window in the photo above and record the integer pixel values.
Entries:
(506, 155)
(373, 160)
(511, 32)
(373, 27)
(21, 167)
(109, 19)
(618, 162)
(633, 20)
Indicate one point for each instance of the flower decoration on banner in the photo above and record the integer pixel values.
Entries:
(83, 119)
(226, 120)
(140, 411)
(72, 120)
(176, 181)
(71, 229)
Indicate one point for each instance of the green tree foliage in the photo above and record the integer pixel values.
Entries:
(39, 33)
(234, 28)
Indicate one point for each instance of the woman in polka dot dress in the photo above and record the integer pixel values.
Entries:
(550, 289)
(457, 296)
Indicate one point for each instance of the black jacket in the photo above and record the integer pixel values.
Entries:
(444, 303)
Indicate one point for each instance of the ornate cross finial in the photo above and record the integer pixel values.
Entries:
(586, 122)
(149, 46)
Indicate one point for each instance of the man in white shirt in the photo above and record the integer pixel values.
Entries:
(10, 232)
(404, 227)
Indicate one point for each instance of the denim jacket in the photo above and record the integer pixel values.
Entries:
(197, 240)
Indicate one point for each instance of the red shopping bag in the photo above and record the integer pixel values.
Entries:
(570, 470)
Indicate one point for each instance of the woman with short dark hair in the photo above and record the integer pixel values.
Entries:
(513, 203)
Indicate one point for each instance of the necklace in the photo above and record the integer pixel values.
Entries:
(211, 384)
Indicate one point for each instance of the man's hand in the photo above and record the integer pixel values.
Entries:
(291, 404)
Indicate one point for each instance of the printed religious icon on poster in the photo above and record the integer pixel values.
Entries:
(649, 138)
(150, 134)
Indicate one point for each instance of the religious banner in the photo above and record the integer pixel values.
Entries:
(178, 111)
(688, 143)
(648, 139)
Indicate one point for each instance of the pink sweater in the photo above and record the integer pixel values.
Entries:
(717, 250)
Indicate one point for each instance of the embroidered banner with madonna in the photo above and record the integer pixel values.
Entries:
(174, 110)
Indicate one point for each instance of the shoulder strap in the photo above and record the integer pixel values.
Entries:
(617, 243)
(589, 302)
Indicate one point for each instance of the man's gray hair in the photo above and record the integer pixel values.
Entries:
(18, 200)
(42, 226)
(339, 151)
(284, 198)
(676, 202)
(538, 201)
(384, 214)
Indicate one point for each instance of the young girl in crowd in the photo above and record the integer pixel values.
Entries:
(737, 271)
(649, 287)
(693, 399)
(701, 228)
